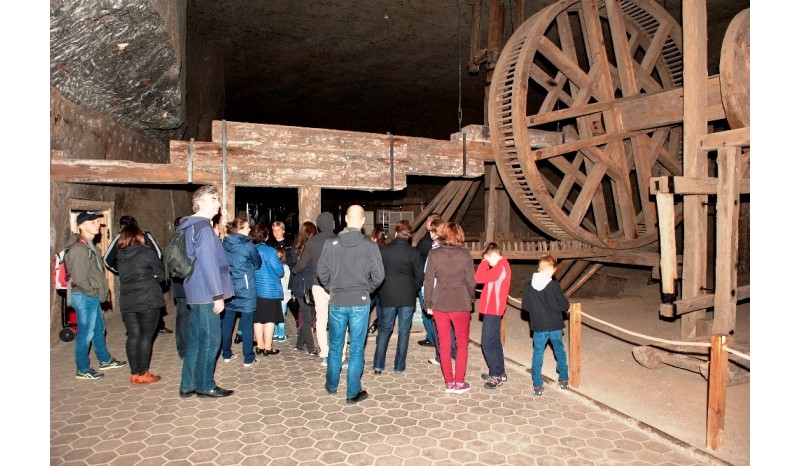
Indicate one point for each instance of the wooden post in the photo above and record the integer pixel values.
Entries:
(491, 180)
(717, 390)
(669, 252)
(574, 356)
(503, 330)
(309, 202)
(495, 44)
(520, 16)
(727, 241)
(695, 161)
(229, 209)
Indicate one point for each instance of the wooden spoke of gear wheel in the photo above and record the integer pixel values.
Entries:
(606, 77)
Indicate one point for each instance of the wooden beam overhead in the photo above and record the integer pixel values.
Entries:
(285, 156)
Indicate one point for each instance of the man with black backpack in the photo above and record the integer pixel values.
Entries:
(206, 288)
(90, 290)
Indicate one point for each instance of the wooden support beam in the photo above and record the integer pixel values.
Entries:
(574, 355)
(462, 210)
(584, 278)
(727, 243)
(665, 204)
(739, 137)
(573, 273)
(438, 205)
(285, 156)
(656, 110)
(704, 301)
(309, 203)
(492, 181)
(685, 185)
(476, 55)
(717, 390)
(695, 162)
(117, 172)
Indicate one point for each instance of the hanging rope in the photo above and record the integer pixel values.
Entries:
(458, 14)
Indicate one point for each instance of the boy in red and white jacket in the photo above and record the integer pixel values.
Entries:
(494, 273)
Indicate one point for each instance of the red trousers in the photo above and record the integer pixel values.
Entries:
(460, 321)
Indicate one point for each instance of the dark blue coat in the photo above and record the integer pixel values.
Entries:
(243, 259)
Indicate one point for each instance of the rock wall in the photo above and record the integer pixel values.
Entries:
(117, 87)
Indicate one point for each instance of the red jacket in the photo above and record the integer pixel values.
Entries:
(497, 281)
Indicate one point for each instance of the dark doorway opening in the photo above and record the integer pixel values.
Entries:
(267, 205)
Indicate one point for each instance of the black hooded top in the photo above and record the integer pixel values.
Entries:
(313, 248)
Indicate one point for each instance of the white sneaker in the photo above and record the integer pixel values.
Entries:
(324, 362)
(248, 365)
(233, 356)
(434, 362)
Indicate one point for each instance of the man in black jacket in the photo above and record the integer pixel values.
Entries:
(403, 278)
(351, 268)
(311, 253)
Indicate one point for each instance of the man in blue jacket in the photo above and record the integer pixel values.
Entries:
(351, 268)
(206, 290)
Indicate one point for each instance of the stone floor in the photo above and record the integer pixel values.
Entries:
(280, 414)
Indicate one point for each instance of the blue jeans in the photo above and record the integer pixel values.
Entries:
(202, 349)
(182, 319)
(91, 330)
(540, 340)
(404, 316)
(245, 326)
(339, 318)
(280, 329)
(427, 321)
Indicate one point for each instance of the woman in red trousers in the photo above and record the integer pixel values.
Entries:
(449, 292)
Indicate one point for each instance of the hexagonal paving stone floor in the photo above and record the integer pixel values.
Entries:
(280, 414)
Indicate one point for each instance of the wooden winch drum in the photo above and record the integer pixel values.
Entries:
(606, 77)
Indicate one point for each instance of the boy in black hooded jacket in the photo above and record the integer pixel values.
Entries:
(546, 303)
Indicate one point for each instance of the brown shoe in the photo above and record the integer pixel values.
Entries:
(147, 377)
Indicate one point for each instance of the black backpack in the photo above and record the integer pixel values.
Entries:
(179, 265)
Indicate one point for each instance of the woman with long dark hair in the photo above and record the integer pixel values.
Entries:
(140, 300)
(398, 294)
(300, 284)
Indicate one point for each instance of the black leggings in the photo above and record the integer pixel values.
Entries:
(305, 337)
(141, 328)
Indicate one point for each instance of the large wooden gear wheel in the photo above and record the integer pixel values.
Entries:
(593, 74)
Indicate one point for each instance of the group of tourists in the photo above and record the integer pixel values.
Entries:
(331, 280)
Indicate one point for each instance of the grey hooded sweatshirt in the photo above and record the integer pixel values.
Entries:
(350, 268)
